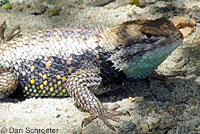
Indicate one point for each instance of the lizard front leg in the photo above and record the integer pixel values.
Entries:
(8, 82)
(78, 85)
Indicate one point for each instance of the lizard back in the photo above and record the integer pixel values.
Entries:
(43, 60)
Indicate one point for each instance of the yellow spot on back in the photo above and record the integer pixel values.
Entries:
(32, 81)
(26, 88)
(48, 63)
(41, 86)
(98, 56)
(45, 82)
(64, 78)
(58, 76)
(44, 76)
(32, 68)
(59, 83)
(70, 69)
(35, 91)
(51, 89)
(44, 91)
(69, 60)
(64, 90)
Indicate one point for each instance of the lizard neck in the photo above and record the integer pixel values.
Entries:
(144, 65)
(141, 64)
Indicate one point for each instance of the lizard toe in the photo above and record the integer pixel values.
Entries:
(88, 120)
(108, 114)
(104, 118)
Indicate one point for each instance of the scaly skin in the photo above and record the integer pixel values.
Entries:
(82, 62)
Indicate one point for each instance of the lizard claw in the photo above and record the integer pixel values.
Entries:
(109, 114)
(86, 121)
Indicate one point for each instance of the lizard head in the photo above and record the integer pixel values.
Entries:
(141, 46)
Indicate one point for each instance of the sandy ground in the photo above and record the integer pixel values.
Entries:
(154, 108)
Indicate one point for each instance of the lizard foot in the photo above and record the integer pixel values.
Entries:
(164, 77)
(108, 114)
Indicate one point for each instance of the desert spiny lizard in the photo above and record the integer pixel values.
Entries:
(81, 62)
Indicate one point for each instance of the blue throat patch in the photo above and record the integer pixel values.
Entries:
(143, 66)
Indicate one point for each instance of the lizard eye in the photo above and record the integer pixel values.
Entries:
(148, 35)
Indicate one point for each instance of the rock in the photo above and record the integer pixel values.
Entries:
(96, 2)
(186, 25)
(186, 31)
(181, 22)
(198, 38)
